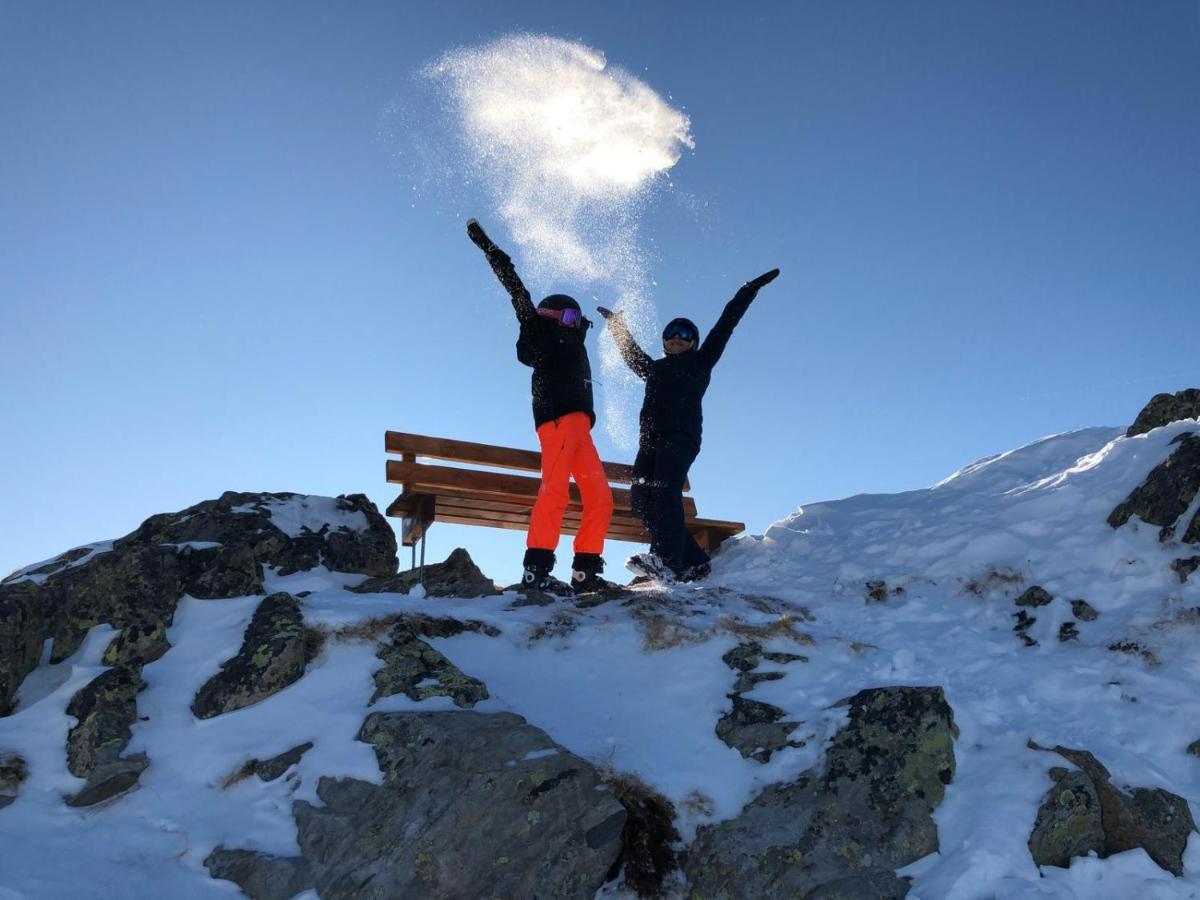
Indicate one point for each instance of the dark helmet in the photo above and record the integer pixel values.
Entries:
(559, 301)
(687, 323)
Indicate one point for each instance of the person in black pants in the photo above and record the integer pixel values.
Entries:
(671, 422)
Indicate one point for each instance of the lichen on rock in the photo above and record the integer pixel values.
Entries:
(847, 827)
(273, 655)
(105, 710)
(414, 668)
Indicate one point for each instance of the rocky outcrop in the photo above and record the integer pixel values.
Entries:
(1085, 812)
(215, 549)
(13, 772)
(756, 729)
(1167, 492)
(106, 709)
(415, 669)
(261, 877)
(1163, 409)
(753, 728)
(467, 799)
(841, 832)
(458, 576)
(271, 657)
(270, 769)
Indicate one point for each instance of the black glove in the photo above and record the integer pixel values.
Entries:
(476, 233)
(605, 313)
(749, 290)
(763, 280)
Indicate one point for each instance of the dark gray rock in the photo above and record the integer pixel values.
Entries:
(467, 800)
(106, 709)
(1068, 631)
(1156, 820)
(22, 630)
(13, 772)
(1034, 597)
(458, 576)
(755, 729)
(744, 656)
(261, 877)
(137, 644)
(843, 831)
(1185, 567)
(1084, 611)
(1163, 409)
(1069, 821)
(1194, 748)
(415, 669)
(1021, 629)
(1167, 492)
(272, 656)
(270, 769)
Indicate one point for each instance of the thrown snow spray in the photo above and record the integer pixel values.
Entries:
(570, 149)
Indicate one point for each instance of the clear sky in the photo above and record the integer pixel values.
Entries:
(215, 273)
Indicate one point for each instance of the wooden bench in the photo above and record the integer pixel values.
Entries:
(475, 496)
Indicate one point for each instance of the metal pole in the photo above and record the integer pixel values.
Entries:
(422, 559)
(414, 557)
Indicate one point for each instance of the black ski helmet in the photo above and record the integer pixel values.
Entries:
(682, 321)
(559, 301)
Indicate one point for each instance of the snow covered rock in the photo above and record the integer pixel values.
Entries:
(105, 709)
(457, 576)
(468, 799)
(755, 729)
(841, 831)
(1085, 812)
(1185, 567)
(215, 549)
(1163, 409)
(1167, 493)
(415, 669)
(272, 656)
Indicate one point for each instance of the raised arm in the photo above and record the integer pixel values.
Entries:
(635, 357)
(503, 267)
(714, 344)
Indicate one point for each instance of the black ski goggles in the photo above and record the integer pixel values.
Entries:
(568, 318)
(679, 330)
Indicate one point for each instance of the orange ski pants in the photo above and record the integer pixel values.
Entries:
(567, 450)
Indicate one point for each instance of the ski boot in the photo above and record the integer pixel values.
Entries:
(585, 574)
(538, 565)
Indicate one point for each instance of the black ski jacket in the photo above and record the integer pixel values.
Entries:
(562, 376)
(675, 384)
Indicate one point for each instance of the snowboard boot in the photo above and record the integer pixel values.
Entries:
(538, 566)
(649, 565)
(585, 574)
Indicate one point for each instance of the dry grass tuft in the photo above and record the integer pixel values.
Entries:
(996, 578)
(782, 627)
(241, 774)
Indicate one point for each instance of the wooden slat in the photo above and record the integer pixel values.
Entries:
(474, 454)
(445, 481)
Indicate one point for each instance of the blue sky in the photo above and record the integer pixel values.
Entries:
(215, 273)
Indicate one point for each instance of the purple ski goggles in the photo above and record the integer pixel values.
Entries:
(568, 318)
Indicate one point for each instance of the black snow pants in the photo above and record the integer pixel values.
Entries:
(660, 469)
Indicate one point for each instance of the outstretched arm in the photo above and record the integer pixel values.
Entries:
(635, 357)
(503, 267)
(714, 344)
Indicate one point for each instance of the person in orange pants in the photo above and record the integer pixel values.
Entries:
(551, 342)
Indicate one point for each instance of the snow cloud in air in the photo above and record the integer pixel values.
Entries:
(566, 144)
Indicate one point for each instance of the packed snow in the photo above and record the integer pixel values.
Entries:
(639, 688)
